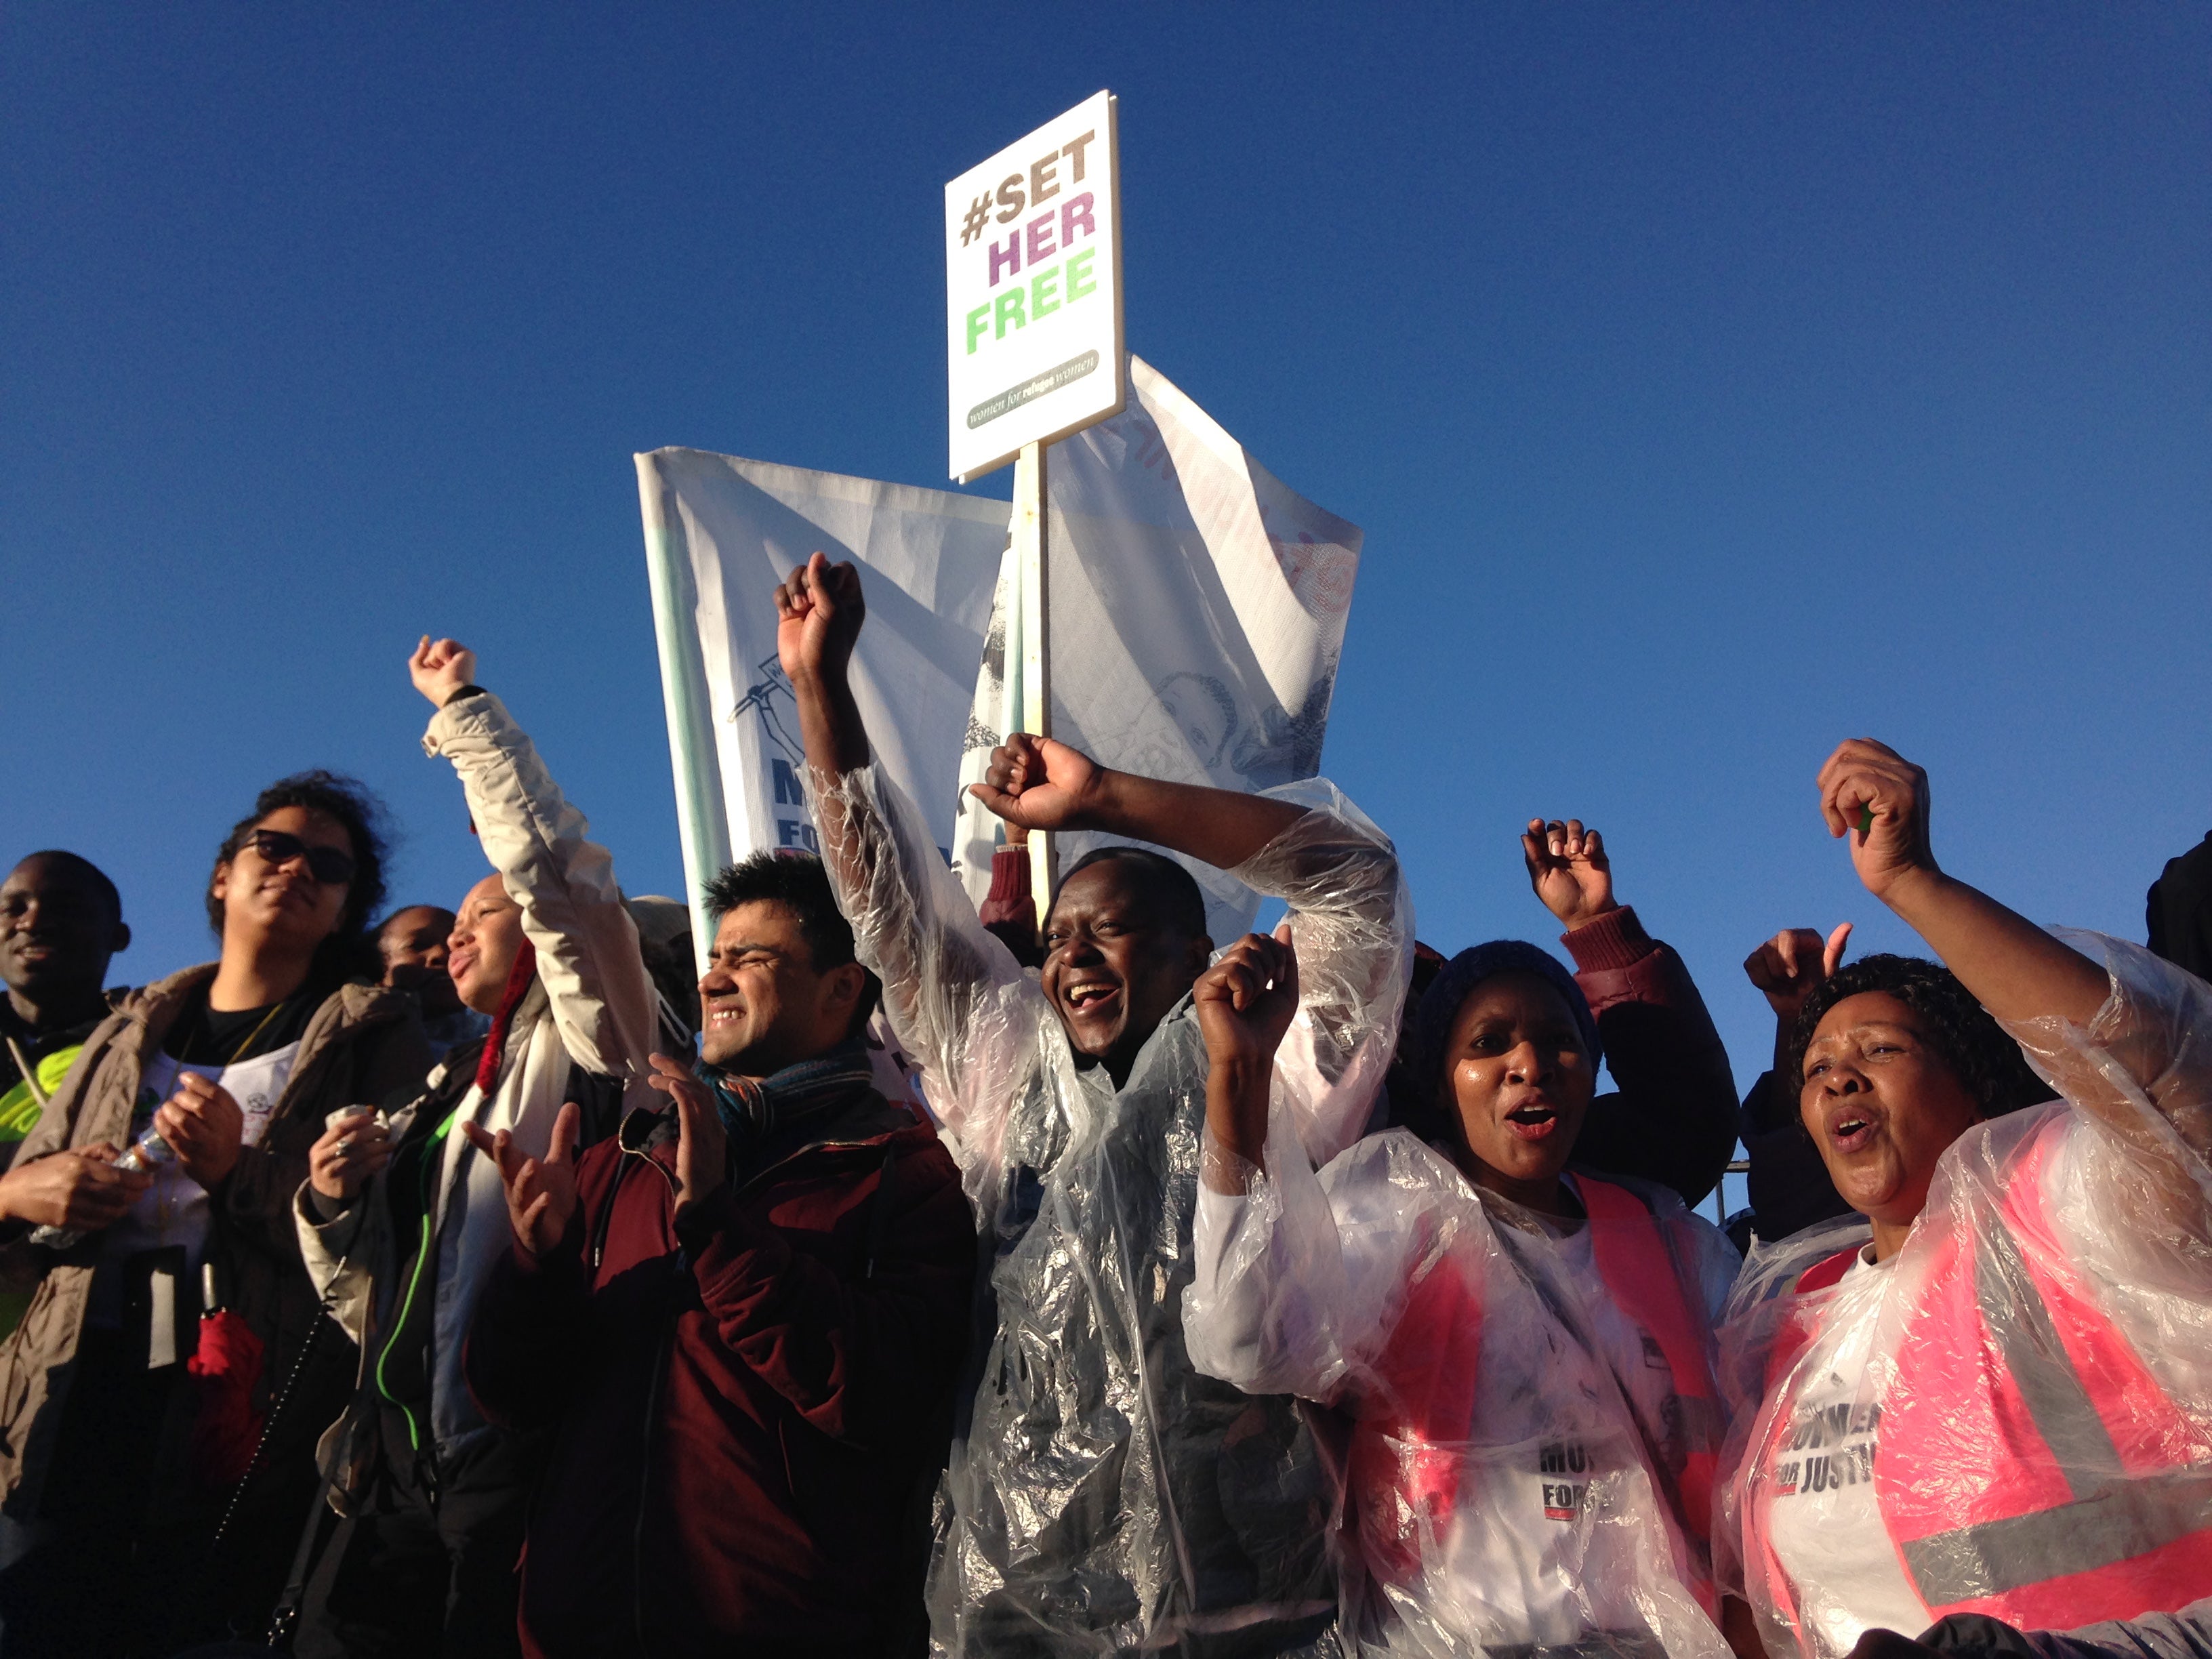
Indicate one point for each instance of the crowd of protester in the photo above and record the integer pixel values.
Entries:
(527, 1277)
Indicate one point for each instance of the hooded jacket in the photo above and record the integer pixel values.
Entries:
(1103, 1495)
(1533, 1413)
(2023, 1411)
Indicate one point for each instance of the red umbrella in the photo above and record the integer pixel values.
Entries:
(225, 1370)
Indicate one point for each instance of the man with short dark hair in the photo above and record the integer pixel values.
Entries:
(741, 1321)
(1103, 1496)
(61, 921)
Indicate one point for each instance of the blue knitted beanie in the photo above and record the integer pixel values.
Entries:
(1456, 982)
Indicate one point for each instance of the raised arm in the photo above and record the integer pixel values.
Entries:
(955, 994)
(1038, 784)
(1880, 800)
(2109, 1034)
(1245, 1002)
(1284, 1299)
(1033, 782)
(1305, 843)
(1788, 1184)
(588, 958)
(1672, 1117)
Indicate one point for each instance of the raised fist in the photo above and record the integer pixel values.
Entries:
(1788, 967)
(1247, 999)
(441, 667)
(1880, 800)
(1038, 784)
(818, 613)
(1568, 868)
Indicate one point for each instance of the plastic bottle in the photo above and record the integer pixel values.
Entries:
(146, 1154)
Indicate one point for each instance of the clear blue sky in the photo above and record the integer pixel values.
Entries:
(1712, 384)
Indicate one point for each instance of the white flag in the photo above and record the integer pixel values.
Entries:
(720, 534)
(1197, 614)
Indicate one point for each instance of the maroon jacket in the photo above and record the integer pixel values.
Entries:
(1672, 1116)
(744, 1410)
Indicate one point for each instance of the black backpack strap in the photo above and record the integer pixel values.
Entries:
(314, 1539)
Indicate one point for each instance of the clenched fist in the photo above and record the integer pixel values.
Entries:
(818, 613)
(1035, 783)
(1880, 800)
(1791, 966)
(1246, 1000)
(439, 668)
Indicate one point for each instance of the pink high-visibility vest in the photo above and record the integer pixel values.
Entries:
(2028, 1465)
(1405, 1459)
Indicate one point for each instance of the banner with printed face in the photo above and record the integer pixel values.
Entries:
(720, 534)
(1197, 614)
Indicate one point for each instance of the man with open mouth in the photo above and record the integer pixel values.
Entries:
(1103, 1496)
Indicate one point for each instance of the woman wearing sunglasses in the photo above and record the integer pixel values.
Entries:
(112, 1485)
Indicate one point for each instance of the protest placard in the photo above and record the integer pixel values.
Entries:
(1033, 290)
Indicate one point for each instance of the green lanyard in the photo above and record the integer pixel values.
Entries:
(415, 1280)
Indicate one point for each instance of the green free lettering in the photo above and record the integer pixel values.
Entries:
(1032, 301)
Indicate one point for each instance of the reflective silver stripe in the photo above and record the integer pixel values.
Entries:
(2112, 1517)
(2064, 1415)
(2127, 1520)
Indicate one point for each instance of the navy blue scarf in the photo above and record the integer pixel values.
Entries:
(751, 1111)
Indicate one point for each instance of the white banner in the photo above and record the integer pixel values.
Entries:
(720, 534)
(1197, 614)
(1198, 607)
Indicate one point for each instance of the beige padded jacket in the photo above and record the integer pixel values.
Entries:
(362, 1045)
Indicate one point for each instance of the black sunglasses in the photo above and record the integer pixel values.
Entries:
(326, 864)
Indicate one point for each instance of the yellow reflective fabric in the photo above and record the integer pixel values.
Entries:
(19, 1115)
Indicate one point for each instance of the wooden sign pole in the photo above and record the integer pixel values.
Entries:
(1029, 534)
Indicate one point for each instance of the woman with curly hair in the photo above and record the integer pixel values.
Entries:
(112, 1485)
(1986, 1393)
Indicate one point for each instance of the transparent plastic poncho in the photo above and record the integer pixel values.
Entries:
(1508, 1490)
(2013, 1416)
(1103, 1496)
